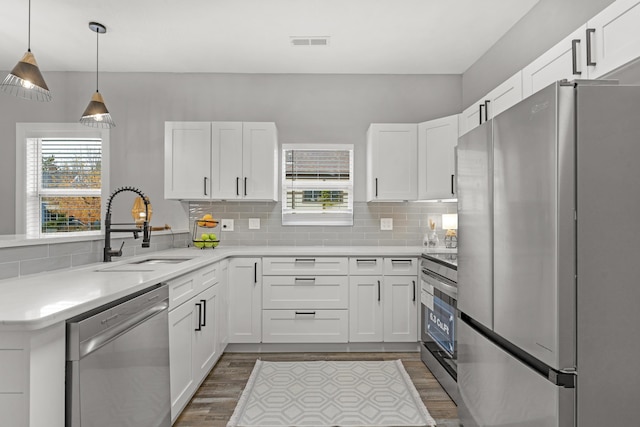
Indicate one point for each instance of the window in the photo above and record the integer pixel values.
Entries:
(317, 184)
(63, 169)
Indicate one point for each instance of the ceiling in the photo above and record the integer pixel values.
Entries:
(253, 36)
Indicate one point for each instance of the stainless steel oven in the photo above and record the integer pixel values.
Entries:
(439, 315)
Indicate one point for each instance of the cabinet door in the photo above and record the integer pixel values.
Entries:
(245, 300)
(259, 161)
(392, 165)
(187, 160)
(437, 140)
(401, 301)
(206, 353)
(615, 40)
(365, 309)
(470, 118)
(505, 96)
(226, 160)
(557, 63)
(182, 324)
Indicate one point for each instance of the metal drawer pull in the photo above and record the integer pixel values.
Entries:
(373, 260)
(199, 328)
(574, 56)
(305, 313)
(305, 260)
(378, 290)
(406, 261)
(590, 60)
(305, 279)
(108, 319)
(204, 312)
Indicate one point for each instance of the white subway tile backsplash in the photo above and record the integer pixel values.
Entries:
(409, 220)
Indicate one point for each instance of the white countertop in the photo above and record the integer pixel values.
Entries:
(41, 300)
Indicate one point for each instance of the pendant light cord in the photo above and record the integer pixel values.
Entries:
(29, 27)
(97, 35)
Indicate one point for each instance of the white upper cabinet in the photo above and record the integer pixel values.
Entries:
(614, 37)
(226, 159)
(437, 140)
(187, 164)
(392, 162)
(566, 60)
(504, 96)
(259, 161)
(221, 161)
(495, 102)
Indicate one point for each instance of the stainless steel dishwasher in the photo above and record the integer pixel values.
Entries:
(118, 363)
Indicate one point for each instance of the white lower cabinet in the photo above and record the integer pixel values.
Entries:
(194, 343)
(245, 300)
(305, 326)
(400, 310)
(365, 309)
(384, 307)
(305, 300)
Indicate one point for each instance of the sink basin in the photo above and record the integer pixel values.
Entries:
(153, 261)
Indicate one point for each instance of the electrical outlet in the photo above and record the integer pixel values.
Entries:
(254, 223)
(227, 224)
(386, 223)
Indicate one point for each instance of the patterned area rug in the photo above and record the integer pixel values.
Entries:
(330, 394)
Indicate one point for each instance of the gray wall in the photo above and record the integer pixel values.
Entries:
(546, 24)
(306, 108)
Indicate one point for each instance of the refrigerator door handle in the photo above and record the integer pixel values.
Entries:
(486, 109)
(480, 113)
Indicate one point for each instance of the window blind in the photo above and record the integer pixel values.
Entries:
(64, 184)
(317, 185)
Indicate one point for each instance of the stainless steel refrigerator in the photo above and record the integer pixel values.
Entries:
(549, 261)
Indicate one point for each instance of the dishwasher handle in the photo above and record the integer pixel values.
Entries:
(100, 340)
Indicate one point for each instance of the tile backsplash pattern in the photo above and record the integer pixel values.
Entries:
(23, 260)
(410, 223)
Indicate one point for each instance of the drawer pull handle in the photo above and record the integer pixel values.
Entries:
(404, 261)
(305, 260)
(108, 319)
(305, 313)
(305, 279)
(199, 328)
(373, 260)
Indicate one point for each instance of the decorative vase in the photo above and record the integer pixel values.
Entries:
(431, 239)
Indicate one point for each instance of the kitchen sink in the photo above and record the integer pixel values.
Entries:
(153, 261)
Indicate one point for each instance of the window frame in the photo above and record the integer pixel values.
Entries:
(342, 218)
(26, 131)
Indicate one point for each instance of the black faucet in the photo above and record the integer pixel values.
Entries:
(146, 237)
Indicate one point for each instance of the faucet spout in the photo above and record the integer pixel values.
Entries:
(108, 252)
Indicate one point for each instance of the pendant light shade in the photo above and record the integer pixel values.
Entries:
(25, 80)
(96, 113)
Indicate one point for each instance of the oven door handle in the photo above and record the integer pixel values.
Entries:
(440, 284)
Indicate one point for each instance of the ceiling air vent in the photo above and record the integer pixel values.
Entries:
(309, 41)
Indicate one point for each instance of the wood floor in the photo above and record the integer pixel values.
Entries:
(216, 399)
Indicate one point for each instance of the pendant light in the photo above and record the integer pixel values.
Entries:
(96, 115)
(25, 80)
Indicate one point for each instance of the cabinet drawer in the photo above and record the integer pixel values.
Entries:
(401, 266)
(208, 276)
(365, 266)
(183, 288)
(305, 326)
(302, 292)
(305, 265)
